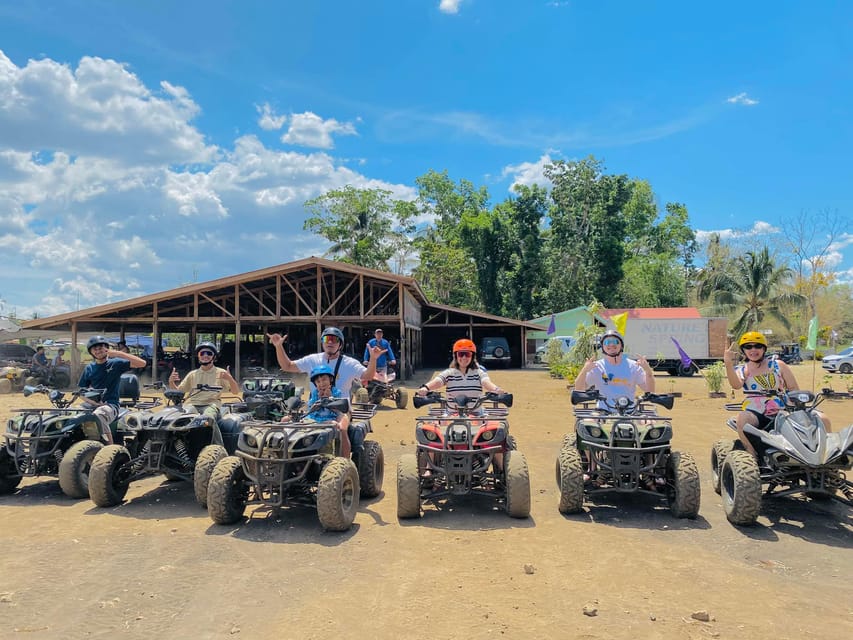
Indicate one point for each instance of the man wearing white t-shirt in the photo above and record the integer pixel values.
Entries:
(346, 369)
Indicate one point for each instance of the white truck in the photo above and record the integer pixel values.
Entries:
(703, 339)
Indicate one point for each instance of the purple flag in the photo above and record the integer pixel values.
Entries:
(685, 359)
(552, 328)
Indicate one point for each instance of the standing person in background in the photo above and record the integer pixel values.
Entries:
(105, 373)
(387, 356)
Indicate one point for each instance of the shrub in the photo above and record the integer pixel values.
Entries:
(714, 376)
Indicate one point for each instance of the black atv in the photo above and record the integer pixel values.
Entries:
(297, 463)
(625, 448)
(50, 376)
(61, 441)
(168, 442)
(381, 387)
(463, 451)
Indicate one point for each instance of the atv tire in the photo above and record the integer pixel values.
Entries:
(517, 480)
(684, 492)
(227, 491)
(408, 487)
(75, 467)
(9, 478)
(204, 464)
(361, 396)
(108, 481)
(570, 479)
(402, 398)
(720, 450)
(371, 469)
(337, 495)
(740, 488)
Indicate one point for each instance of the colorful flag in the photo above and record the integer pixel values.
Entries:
(812, 342)
(620, 321)
(552, 328)
(685, 359)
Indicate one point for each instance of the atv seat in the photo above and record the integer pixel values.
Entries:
(128, 390)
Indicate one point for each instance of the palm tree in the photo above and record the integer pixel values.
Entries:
(751, 285)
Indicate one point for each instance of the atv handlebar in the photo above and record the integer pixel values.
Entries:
(666, 400)
(462, 401)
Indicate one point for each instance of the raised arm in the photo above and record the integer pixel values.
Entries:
(728, 359)
(286, 364)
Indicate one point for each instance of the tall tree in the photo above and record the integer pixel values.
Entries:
(587, 241)
(754, 288)
(359, 223)
(523, 281)
(448, 269)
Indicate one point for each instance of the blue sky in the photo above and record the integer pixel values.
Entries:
(144, 145)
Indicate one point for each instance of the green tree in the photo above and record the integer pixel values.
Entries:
(523, 280)
(753, 288)
(359, 223)
(586, 246)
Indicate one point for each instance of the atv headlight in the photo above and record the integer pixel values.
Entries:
(488, 435)
(430, 435)
(306, 442)
(654, 433)
(596, 432)
(251, 440)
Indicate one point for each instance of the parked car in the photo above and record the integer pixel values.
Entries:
(841, 362)
(566, 343)
(13, 352)
(494, 351)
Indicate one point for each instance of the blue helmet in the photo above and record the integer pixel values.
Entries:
(322, 370)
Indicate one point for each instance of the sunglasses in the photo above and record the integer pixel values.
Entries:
(330, 340)
(206, 353)
(464, 354)
(753, 346)
(609, 342)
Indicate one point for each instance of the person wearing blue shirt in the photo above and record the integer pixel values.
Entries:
(105, 373)
(386, 358)
(323, 379)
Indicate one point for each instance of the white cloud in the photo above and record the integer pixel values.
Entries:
(269, 121)
(98, 109)
(528, 173)
(108, 191)
(759, 228)
(743, 99)
(449, 6)
(310, 130)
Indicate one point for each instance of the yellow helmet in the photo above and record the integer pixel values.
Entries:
(752, 337)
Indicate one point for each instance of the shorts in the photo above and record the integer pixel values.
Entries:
(765, 422)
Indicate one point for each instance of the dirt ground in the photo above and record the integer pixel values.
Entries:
(157, 567)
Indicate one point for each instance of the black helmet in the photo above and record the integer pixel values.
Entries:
(612, 333)
(206, 345)
(334, 331)
(94, 341)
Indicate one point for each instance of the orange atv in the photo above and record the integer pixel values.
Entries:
(464, 448)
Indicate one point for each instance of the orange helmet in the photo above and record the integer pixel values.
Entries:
(752, 337)
(464, 345)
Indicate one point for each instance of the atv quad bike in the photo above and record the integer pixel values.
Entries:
(382, 387)
(168, 441)
(61, 441)
(463, 451)
(796, 456)
(296, 463)
(625, 448)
